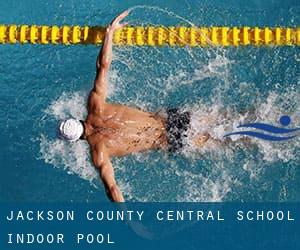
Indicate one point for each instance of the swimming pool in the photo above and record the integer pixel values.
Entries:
(42, 84)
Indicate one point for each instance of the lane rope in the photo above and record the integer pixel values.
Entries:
(152, 35)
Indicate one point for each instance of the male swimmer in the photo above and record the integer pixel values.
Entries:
(117, 130)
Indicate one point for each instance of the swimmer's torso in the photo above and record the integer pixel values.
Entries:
(124, 130)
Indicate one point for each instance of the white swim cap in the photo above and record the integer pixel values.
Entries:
(70, 130)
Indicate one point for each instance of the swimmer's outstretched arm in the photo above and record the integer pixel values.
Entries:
(105, 56)
(103, 164)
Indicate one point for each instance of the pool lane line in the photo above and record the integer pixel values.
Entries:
(152, 35)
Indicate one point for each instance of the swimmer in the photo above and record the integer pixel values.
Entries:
(114, 130)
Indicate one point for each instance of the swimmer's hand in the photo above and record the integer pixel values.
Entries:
(115, 24)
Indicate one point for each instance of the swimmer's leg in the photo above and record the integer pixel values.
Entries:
(200, 140)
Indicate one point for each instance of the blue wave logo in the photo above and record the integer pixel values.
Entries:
(279, 133)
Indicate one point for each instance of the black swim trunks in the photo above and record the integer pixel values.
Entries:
(177, 125)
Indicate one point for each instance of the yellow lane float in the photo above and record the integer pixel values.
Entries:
(152, 35)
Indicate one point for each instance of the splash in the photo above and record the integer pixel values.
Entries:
(217, 120)
(192, 185)
(218, 88)
(68, 105)
(73, 158)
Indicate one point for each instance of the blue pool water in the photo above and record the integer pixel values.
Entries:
(42, 84)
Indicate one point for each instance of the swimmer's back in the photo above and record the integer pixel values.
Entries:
(126, 130)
